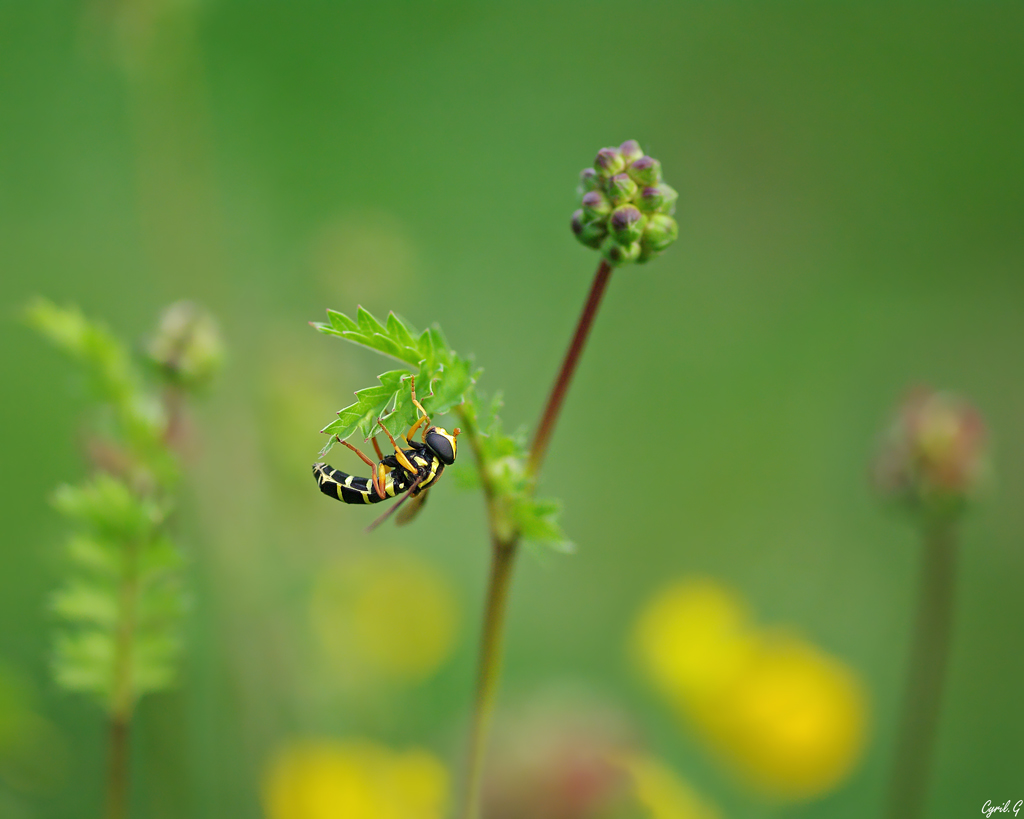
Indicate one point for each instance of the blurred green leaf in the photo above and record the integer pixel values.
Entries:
(84, 662)
(87, 602)
(109, 508)
(114, 376)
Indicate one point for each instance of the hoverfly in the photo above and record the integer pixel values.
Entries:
(412, 470)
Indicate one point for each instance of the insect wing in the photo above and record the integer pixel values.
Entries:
(412, 508)
(395, 506)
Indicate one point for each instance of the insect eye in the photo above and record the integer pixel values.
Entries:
(441, 446)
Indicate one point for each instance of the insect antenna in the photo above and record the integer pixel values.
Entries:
(394, 508)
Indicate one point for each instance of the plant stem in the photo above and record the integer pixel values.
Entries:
(502, 561)
(505, 545)
(121, 701)
(929, 652)
(117, 784)
(558, 391)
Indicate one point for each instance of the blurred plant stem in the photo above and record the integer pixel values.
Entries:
(505, 545)
(117, 784)
(123, 697)
(928, 660)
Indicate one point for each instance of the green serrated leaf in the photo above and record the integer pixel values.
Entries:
(362, 415)
(341, 322)
(401, 334)
(537, 520)
(393, 339)
(450, 388)
(368, 325)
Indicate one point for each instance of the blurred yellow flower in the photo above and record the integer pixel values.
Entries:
(789, 718)
(385, 616)
(663, 793)
(354, 779)
(793, 721)
(693, 637)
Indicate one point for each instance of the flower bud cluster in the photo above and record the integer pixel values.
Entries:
(186, 347)
(934, 455)
(626, 210)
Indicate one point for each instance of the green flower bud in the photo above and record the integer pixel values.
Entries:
(617, 254)
(631, 151)
(645, 171)
(589, 180)
(595, 205)
(657, 199)
(609, 162)
(590, 233)
(660, 232)
(626, 224)
(625, 207)
(621, 189)
(186, 347)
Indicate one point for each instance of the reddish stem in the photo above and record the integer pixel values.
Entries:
(557, 397)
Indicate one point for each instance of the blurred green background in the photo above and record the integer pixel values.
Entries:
(851, 223)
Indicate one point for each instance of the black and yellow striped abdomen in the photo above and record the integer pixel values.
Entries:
(351, 489)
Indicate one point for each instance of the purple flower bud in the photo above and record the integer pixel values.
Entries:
(631, 151)
(589, 233)
(645, 171)
(657, 199)
(595, 205)
(617, 254)
(626, 224)
(660, 232)
(589, 180)
(621, 189)
(609, 162)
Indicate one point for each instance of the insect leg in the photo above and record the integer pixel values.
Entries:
(376, 448)
(404, 461)
(419, 406)
(378, 484)
(414, 427)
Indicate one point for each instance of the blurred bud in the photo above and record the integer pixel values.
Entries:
(621, 189)
(617, 254)
(609, 162)
(595, 205)
(589, 180)
(934, 455)
(631, 151)
(626, 224)
(657, 199)
(557, 758)
(646, 171)
(660, 232)
(187, 346)
(590, 233)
